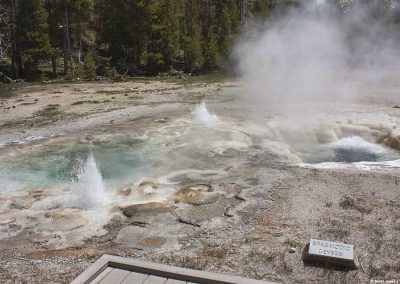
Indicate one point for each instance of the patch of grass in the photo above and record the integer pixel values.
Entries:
(264, 256)
(49, 111)
(208, 78)
(109, 92)
(349, 202)
(193, 262)
(89, 102)
(8, 90)
(215, 251)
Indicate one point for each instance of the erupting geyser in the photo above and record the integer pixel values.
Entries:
(356, 149)
(203, 117)
(90, 184)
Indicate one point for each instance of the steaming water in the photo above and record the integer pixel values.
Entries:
(90, 184)
(202, 116)
(349, 149)
(80, 178)
(356, 149)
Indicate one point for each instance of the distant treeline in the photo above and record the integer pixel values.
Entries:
(106, 37)
(88, 38)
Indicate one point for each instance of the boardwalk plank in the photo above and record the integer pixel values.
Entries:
(115, 277)
(155, 280)
(140, 272)
(174, 281)
(103, 274)
(135, 278)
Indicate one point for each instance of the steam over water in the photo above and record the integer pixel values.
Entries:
(356, 149)
(306, 55)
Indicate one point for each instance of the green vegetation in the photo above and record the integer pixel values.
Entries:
(43, 39)
(90, 38)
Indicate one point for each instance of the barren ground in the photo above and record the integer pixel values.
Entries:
(256, 228)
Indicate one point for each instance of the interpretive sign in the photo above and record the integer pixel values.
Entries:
(330, 252)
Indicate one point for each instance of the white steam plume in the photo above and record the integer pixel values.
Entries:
(309, 53)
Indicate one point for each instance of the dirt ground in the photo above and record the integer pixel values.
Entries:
(255, 220)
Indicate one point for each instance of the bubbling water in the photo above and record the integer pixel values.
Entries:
(90, 184)
(203, 117)
(356, 149)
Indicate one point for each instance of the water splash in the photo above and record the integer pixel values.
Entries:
(90, 184)
(356, 149)
(202, 116)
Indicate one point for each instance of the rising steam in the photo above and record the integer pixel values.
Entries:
(309, 53)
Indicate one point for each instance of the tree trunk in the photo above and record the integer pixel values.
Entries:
(28, 69)
(68, 38)
(65, 57)
(15, 67)
(54, 65)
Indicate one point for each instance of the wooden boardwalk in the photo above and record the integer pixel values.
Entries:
(119, 270)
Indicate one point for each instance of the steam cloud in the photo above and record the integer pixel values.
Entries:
(310, 53)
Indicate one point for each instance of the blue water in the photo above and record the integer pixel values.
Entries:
(119, 160)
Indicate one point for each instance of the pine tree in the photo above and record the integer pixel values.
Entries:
(163, 47)
(122, 28)
(191, 40)
(5, 22)
(209, 46)
(81, 27)
(32, 38)
(226, 25)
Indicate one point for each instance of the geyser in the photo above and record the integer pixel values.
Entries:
(92, 191)
(356, 149)
(202, 116)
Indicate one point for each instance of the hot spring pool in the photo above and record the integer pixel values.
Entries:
(79, 180)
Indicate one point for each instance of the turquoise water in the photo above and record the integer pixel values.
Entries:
(118, 160)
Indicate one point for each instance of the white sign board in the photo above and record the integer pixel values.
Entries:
(331, 249)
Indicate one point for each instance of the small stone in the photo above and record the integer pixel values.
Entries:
(147, 188)
(292, 250)
(125, 191)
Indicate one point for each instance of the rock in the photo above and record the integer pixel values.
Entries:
(117, 219)
(7, 221)
(188, 195)
(393, 140)
(198, 194)
(38, 194)
(126, 191)
(152, 207)
(153, 184)
(147, 187)
(228, 212)
(152, 242)
(292, 250)
(162, 120)
(64, 219)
